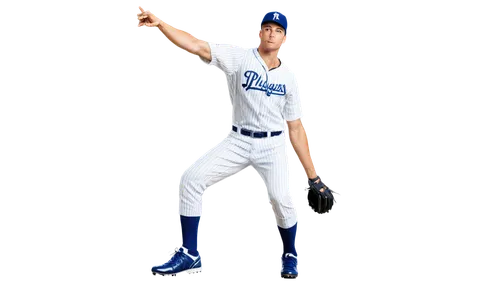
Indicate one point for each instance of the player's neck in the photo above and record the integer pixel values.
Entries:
(269, 57)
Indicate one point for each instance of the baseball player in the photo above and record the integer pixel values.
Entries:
(263, 94)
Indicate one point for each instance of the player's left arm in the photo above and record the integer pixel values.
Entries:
(298, 138)
(298, 135)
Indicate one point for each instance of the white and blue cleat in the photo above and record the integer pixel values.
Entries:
(179, 263)
(289, 266)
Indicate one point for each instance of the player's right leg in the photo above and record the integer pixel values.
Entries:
(226, 159)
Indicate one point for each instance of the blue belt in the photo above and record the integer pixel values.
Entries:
(254, 134)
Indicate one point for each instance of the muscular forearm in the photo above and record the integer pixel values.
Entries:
(180, 38)
(299, 142)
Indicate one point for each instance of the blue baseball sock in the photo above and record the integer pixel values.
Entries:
(189, 226)
(288, 237)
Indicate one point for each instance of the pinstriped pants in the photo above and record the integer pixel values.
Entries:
(233, 154)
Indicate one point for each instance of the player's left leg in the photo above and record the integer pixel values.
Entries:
(272, 164)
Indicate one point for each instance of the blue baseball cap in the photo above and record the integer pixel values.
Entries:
(275, 17)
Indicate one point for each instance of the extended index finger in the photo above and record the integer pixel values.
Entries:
(141, 9)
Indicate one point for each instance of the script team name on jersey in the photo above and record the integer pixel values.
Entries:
(255, 81)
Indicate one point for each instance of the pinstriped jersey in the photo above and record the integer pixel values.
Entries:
(261, 98)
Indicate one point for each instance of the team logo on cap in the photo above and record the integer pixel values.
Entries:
(276, 16)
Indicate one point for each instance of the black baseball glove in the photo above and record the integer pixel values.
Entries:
(320, 197)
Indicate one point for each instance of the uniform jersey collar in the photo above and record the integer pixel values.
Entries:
(262, 62)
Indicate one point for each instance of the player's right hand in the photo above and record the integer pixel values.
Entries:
(147, 18)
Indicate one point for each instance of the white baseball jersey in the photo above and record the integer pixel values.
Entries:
(261, 98)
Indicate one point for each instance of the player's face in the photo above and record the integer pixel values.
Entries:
(272, 36)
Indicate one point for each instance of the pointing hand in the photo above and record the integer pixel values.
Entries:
(147, 18)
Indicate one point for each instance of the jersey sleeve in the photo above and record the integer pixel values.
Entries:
(226, 57)
(292, 110)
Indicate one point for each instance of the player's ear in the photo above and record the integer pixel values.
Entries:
(285, 40)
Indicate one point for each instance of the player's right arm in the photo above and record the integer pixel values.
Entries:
(226, 57)
(186, 41)
(180, 38)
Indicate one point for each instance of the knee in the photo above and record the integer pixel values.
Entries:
(191, 180)
(280, 199)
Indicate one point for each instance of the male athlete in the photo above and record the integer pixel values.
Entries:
(263, 94)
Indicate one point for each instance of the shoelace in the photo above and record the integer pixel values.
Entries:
(170, 258)
(177, 254)
(290, 262)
